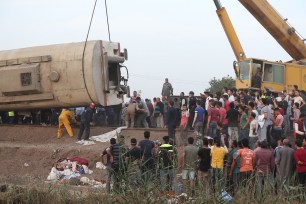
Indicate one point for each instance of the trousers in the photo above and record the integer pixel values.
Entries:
(84, 126)
(67, 125)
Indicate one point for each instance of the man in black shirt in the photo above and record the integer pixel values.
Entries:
(132, 160)
(86, 118)
(113, 164)
(204, 165)
(171, 121)
(191, 106)
(167, 158)
(232, 116)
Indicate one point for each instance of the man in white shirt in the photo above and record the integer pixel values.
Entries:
(298, 99)
(231, 97)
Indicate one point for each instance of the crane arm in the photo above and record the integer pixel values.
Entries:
(282, 32)
(230, 31)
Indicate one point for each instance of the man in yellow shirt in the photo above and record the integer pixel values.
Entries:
(217, 153)
(63, 119)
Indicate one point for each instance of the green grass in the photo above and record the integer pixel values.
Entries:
(149, 192)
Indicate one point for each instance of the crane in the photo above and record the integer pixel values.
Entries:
(259, 74)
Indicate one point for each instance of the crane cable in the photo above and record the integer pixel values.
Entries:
(83, 71)
(106, 12)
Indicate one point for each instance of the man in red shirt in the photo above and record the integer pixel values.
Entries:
(299, 128)
(226, 102)
(223, 122)
(264, 164)
(300, 159)
(213, 118)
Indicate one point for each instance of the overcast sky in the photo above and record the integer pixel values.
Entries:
(179, 39)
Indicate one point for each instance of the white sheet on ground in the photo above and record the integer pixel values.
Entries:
(107, 136)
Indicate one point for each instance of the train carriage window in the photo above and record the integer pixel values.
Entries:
(113, 72)
(26, 79)
(274, 73)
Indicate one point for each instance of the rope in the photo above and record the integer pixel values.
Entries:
(106, 12)
(83, 71)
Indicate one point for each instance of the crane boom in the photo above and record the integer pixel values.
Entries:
(230, 31)
(282, 32)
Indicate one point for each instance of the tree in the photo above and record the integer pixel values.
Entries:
(216, 85)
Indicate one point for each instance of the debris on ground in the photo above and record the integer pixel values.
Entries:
(66, 169)
(107, 136)
(100, 165)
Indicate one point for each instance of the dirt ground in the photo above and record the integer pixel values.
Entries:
(28, 152)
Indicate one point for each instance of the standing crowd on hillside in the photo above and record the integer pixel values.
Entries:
(238, 137)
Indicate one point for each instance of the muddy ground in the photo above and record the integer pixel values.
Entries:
(28, 152)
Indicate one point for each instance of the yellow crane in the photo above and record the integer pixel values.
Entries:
(258, 74)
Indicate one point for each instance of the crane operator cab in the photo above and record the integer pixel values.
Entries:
(259, 74)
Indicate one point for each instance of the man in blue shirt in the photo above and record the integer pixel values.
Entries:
(198, 119)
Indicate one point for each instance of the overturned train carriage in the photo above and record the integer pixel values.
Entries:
(62, 76)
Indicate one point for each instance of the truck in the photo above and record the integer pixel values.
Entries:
(261, 74)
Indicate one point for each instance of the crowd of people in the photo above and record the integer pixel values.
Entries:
(242, 137)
